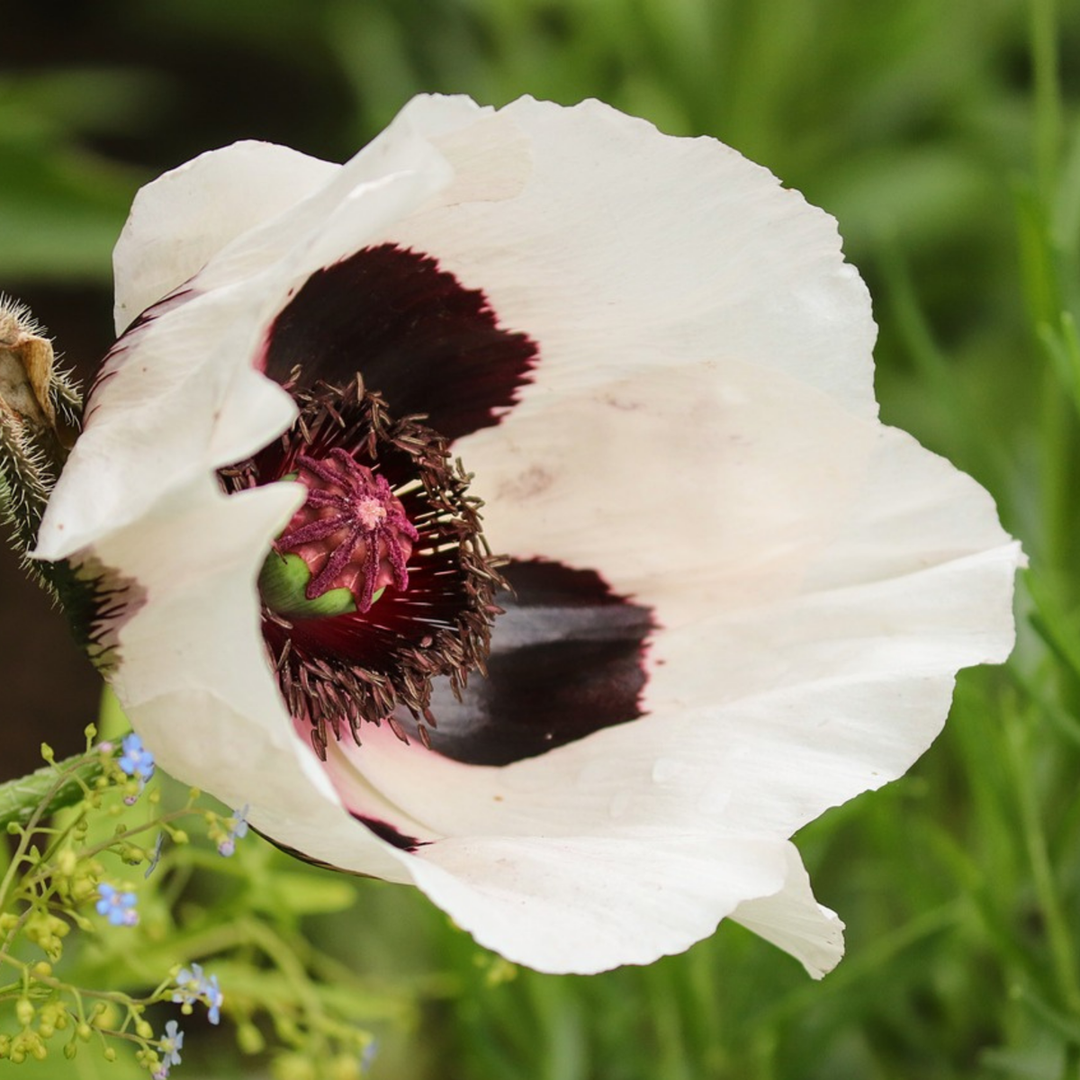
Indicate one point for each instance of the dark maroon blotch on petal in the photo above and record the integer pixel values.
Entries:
(567, 659)
(391, 835)
(414, 332)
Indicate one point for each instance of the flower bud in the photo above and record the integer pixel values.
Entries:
(40, 412)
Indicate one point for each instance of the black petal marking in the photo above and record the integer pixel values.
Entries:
(391, 835)
(418, 337)
(567, 659)
(120, 353)
(98, 601)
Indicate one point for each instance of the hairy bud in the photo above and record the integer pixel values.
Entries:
(40, 411)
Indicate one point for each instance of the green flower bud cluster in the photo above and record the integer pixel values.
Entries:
(38, 1025)
(325, 1048)
(70, 820)
(46, 931)
(347, 1065)
(79, 837)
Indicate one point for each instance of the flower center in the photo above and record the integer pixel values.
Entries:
(382, 580)
(351, 535)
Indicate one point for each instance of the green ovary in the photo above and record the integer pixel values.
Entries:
(282, 584)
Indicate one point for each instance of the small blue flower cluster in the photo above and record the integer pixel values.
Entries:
(367, 1058)
(192, 985)
(237, 831)
(170, 1046)
(118, 906)
(136, 761)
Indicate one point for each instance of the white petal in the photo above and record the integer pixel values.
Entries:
(154, 423)
(793, 920)
(656, 373)
(184, 217)
(391, 178)
(190, 684)
(182, 395)
(698, 485)
(608, 276)
(584, 904)
(819, 664)
(179, 221)
(194, 677)
(839, 686)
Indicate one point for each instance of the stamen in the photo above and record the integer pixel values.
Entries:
(386, 506)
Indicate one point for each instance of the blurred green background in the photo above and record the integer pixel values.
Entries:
(945, 137)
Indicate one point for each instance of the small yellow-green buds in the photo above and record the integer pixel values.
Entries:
(24, 1012)
(47, 931)
(250, 1039)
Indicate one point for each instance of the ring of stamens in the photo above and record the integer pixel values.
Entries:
(365, 469)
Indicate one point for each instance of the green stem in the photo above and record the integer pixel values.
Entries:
(19, 798)
(1048, 127)
(1062, 946)
(29, 799)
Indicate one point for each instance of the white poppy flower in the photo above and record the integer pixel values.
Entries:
(737, 599)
